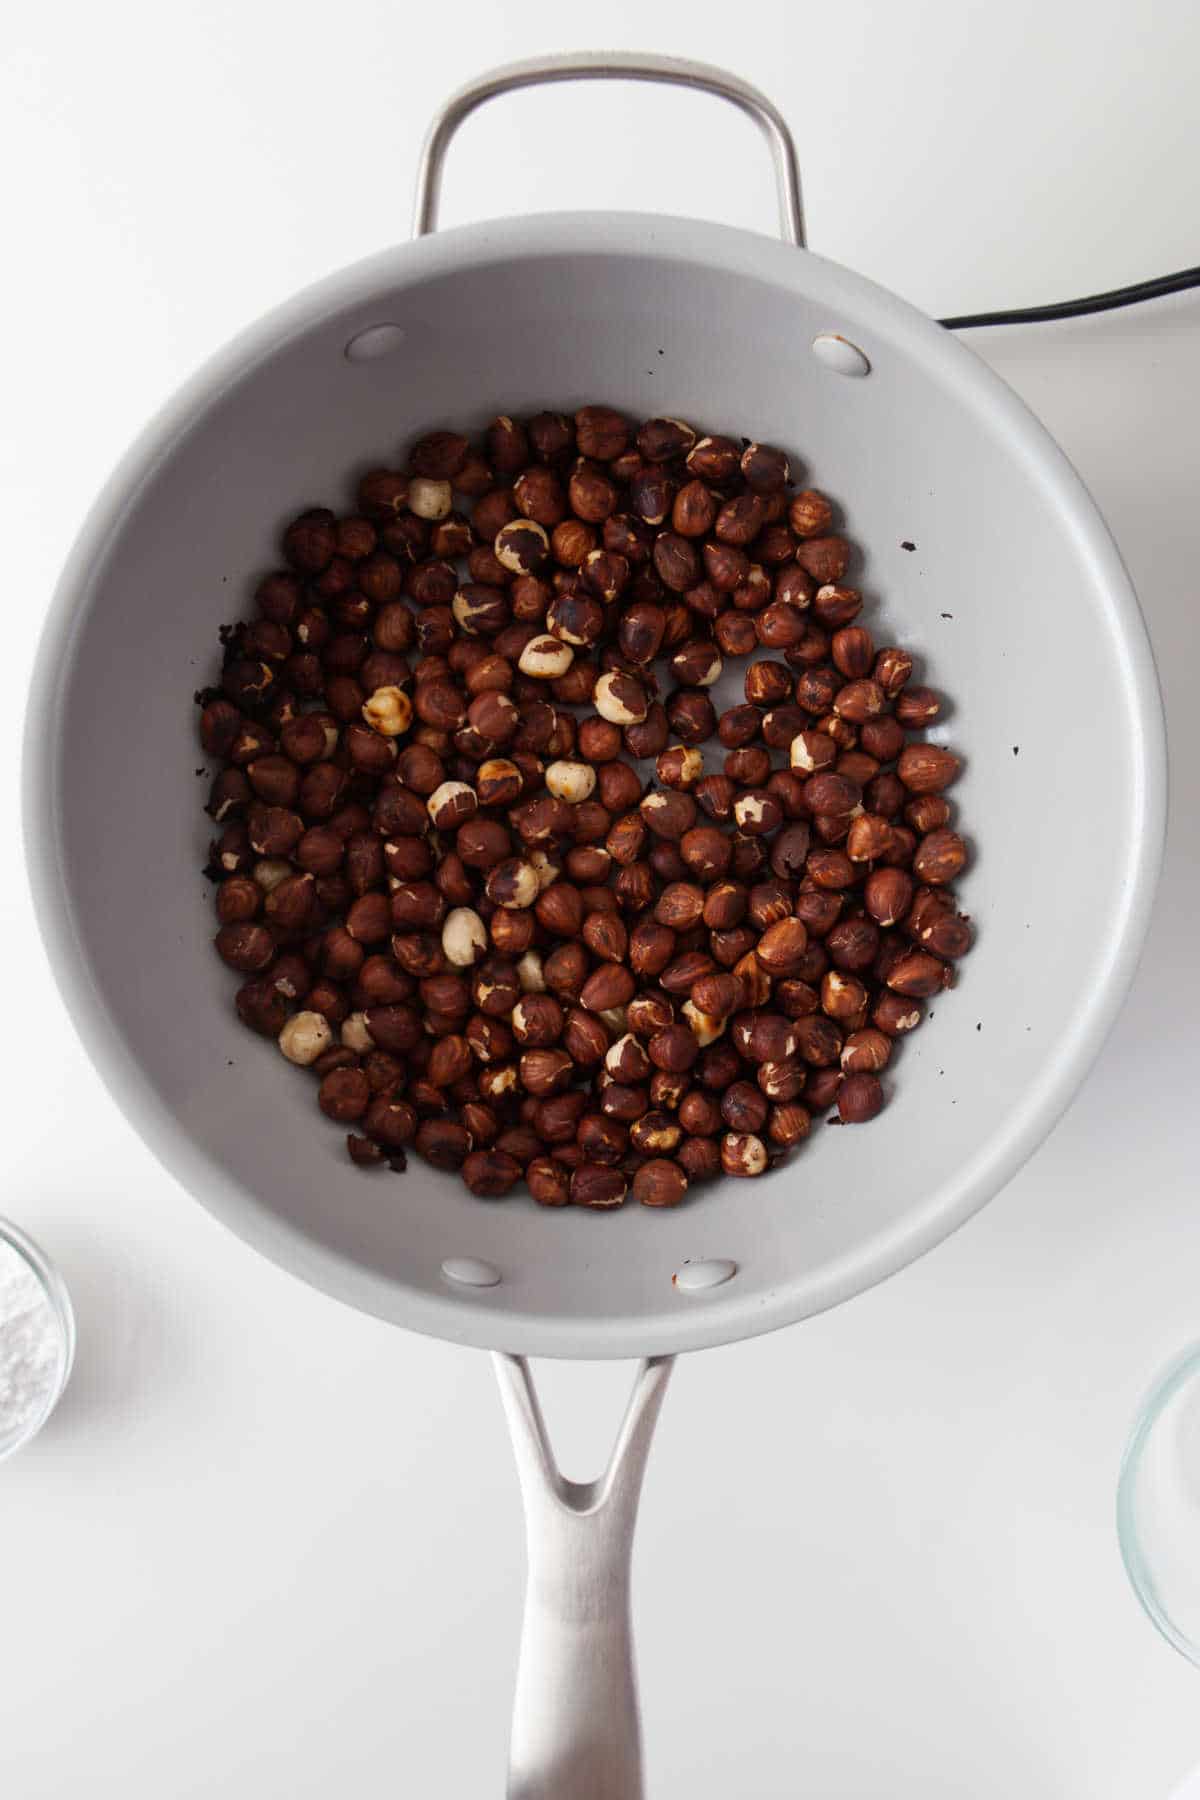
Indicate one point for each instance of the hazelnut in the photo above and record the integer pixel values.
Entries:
(545, 658)
(530, 969)
(389, 711)
(585, 1038)
(743, 1154)
(306, 1036)
(464, 938)
(782, 946)
(619, 698)
(917, 975)
(429, 499)
(559, 909)
(655, 1133)
(522, 546)
(744, 1107)
(548, 1181)
(927, 768)
(451, 805)
(545, 1072)
(659, 1182)
(705, 1027)
(696, 663)
(537, 1020)
(740, 520)
(490, 1173)
(675, 1048)
(939, 857)
(887, 895)
(860, 1097)
(497, 783)
(764, 468)
(809, 514)
(512, 883)
(757, 812)
(594, 1185)
(609, 986)
(605, 936)
(679, 906)
(570, 781)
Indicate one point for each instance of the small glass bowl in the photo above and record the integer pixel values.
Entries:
(16, 1432)
(1158, 1505)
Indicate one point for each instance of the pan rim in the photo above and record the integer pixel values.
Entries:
(692, 1322)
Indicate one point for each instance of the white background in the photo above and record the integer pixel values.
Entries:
(268, 1547)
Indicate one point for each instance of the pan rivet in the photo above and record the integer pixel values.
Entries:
(470, 1271)
(694, 1276)
(840, 355)
(374, 342)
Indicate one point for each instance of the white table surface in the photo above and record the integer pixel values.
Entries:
(268, 1547)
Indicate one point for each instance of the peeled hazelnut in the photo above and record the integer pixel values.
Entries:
(757, 812)
(512, 883)
(429, 499)
(618, 697)
(497, 782)
(388, 711)
(743, 1154)
(306, 1036)
(522, 546)
(546, 658)
(705, 1027)
(464, 938)
(530, 969)
(452, 804)
(570, 781)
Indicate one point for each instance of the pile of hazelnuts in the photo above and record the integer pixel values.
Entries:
(452, 895)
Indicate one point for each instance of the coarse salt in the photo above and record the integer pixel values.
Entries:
(31, 1348)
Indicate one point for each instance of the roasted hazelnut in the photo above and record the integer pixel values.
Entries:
(781, 947)
(659, 1182)
(620, 699)
(767, 683)
(743, 1107)
(764, 468)
(939, 857)
(740, 520)
(691, 715)
(560, 909)
(887, 895)
(675, 1048)
(545, 1072)
(601, 433)
(655, 1134)
(812, 752)
(860, 1097)
(451, 805)
(626, 1061)
(650, 736)
(743, 1154)
(679, 766)
(607, 987)
(537, 1021)
(697, 663)
(725, 566)
(918, 975)
(594, 1185)
(548, 1181)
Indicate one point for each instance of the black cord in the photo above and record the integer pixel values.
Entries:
(1072, 309)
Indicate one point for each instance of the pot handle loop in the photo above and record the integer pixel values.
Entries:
(576, 1730)
(675, 71)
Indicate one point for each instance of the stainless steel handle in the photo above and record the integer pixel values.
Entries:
(576, 1733)
(612, 66)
